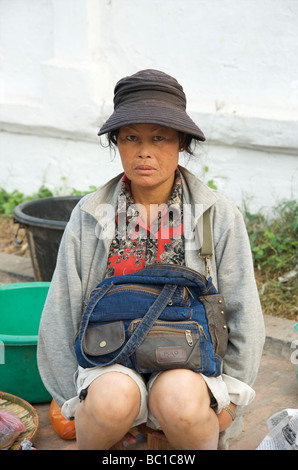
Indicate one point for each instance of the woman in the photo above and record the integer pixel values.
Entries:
(150, 127)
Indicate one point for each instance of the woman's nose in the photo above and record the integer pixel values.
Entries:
(145, 151)
(144, 156)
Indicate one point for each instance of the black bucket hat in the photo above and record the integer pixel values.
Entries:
(151, 97)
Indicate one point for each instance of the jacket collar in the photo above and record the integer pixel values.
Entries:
(195, 192)
(107, 194)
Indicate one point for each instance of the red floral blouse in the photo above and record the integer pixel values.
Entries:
(135, 245)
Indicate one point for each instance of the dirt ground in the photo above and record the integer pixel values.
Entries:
(8, 230)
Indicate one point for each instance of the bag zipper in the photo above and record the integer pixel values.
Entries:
(120, 287)
(188, 337)
(151, 290)
(160, 327)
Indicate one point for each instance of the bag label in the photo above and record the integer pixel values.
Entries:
(170, 354)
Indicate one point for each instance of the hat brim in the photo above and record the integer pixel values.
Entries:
(152, 113)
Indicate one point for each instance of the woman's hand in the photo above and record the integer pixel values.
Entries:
(224, 418)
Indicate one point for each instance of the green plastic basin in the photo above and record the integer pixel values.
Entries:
(21, 307)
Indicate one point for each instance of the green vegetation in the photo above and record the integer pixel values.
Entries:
(274, 241)
(274, 248)
(211, 182)
(8, 201)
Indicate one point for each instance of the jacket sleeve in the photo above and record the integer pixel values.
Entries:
(236, 281)
(60, 319)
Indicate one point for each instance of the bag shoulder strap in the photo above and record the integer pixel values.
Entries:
(206, 251)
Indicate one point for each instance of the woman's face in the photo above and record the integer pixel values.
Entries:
(149, 155)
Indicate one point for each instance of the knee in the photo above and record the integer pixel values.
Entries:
(113, 398)
(180, 399)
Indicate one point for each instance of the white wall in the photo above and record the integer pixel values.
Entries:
(236, 59)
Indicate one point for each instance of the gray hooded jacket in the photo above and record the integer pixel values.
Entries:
(81, 265)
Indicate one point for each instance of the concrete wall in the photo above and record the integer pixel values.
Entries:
(236, 59)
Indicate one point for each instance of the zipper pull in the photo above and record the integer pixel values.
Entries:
(202, 330)
(188, 337)
(188, 290)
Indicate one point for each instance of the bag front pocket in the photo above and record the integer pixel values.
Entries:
(171, 345)
(104, 338)
(127, 302)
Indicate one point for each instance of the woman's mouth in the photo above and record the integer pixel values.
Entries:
(144, 169)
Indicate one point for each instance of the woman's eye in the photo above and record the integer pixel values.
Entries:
(131, 138)
(158, 138)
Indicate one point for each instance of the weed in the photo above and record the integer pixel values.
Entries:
(8, 201)
(274, 248)
(274, 240)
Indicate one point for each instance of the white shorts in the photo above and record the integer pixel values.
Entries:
(84, 377)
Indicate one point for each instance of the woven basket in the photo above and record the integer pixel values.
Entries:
(27, 414)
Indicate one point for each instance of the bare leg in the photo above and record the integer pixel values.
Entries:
(108, 411)
(180, 401)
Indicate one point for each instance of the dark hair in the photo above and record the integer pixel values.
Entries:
(186, 140)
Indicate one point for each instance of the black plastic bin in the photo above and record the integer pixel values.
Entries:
(45, 220)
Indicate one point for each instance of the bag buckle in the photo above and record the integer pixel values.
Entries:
(207, 265)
